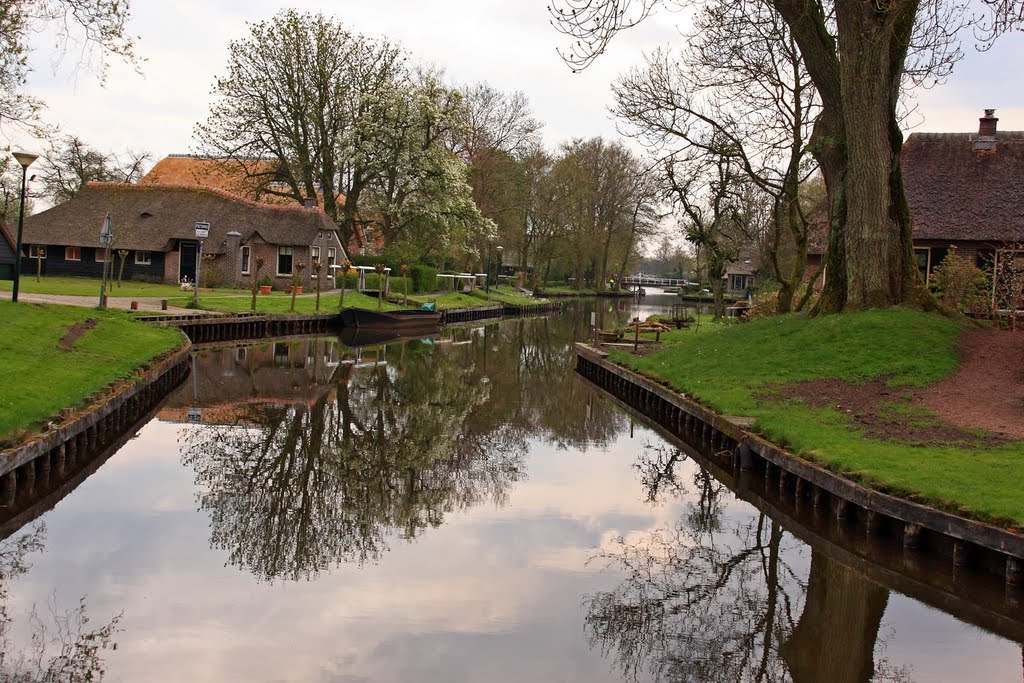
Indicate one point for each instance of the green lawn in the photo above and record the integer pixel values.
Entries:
(731, 370)
(85, 286)
(565, 290)
(448, 300)
(280, 303)
(38, 379)
(510, 295)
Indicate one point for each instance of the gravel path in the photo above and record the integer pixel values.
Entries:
(987, 391)
(123, 303)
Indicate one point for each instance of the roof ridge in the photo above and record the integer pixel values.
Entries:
(224, 194)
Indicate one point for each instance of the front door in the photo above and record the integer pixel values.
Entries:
(187, 261)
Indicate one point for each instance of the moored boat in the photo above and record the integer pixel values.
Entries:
(389, 320)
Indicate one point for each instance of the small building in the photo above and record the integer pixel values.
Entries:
(964, 191)
(7, 247)
(156, 224)
(741, 274)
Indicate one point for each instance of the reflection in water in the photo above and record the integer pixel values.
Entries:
(61, 646)
(715, 598)
(311, 455)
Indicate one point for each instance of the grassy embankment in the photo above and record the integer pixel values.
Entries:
(733, 371)
(41, 375)
(280, 303)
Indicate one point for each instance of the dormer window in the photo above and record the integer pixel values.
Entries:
(146, 214)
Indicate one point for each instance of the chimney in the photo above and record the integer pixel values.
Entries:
(312, 203)
(987, 124)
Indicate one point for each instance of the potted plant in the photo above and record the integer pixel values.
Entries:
(266, 285)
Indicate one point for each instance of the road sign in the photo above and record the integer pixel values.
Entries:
(195, 415)
(106, 234)
(202, 229)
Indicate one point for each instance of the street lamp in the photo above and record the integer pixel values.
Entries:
(25, 160)
(497, 267)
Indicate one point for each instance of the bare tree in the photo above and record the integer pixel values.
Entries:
(70, 163)
(718, 205)
(742, 80)
(860, 57)
(96, 29)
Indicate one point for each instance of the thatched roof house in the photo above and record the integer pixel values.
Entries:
(157, 224)
(964, 190)
(248, 178)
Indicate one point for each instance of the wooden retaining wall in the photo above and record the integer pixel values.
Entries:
(465, 315)
(93, 429)
(247, 326)
(972, 597)
(966, 543)
(530, 309)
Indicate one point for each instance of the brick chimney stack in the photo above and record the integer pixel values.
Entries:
(987, 124)
(312, 203)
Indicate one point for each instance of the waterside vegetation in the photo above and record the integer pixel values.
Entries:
(751, 370)
(53, 358)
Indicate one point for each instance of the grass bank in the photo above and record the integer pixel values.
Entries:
(280, 303)
(510, 295)
(734, 370)
(450, 300)
(54, 357)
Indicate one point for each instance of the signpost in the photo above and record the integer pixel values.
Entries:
(202, 232)
(106, 237)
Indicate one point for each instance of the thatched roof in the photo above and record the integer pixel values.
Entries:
(239, 177)
(964, 187)
(151, 217)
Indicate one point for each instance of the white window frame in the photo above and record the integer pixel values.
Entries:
(314, 254)
(100, 255)
(281, 252)
(928, 262)
(34, 251)
(332, 257)
(78, 250)
(246, 259)
(146, 261)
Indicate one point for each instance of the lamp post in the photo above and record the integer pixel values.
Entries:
(497, 267)
(25, 160)
(106, 237)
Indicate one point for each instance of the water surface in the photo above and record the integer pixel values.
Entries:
(461, 508)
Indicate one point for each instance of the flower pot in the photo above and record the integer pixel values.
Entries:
(265, 289)
(297, 289)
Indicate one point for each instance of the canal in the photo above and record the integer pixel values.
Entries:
(459, 508)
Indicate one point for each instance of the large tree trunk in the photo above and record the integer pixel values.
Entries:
(834, 640)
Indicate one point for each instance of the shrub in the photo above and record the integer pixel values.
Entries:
(763, 304)
(423, 279)
(960, 284)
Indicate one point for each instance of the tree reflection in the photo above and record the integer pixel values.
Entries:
(313, 455)
(715, 598)
(62, 645)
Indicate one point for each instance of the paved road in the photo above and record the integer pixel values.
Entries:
(124, 302)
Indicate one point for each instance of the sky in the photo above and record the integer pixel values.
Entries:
(508, 43)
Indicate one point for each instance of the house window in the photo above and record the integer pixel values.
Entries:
(246, 254)
(143, 258)
(314, 255)
(284, 260)
(280, 353)
(241, 353)
(100, 255)
(738, 282)
(319, 234)
(72, 253)
(332, 257)
(37, 251)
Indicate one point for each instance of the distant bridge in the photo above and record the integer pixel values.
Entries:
(642, 280)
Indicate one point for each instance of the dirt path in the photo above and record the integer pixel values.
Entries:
(987, 391)
(74, 332)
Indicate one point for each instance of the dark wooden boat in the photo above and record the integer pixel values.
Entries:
(358, 337)
(389, 320)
